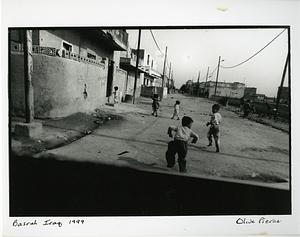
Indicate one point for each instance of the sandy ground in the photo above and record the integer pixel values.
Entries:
(249, 150)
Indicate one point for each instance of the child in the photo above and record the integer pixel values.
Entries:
(115, 94)
(176, 110)
(180, 143)
(247, 108)
(214, 131)
(155, 105)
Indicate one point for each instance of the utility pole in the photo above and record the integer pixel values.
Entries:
(163, 79)
(136, 66)
(217, 76)
(173, 84)
(28, 70)
(168, 85)
(206, 81)
(282, 81)
(198, 86)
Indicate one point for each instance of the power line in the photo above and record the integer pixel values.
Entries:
(213, 71)
(155, 42)
(255, 53)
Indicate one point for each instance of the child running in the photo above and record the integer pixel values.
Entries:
(214, 131)
(176, 110)
(155, 105)
(180, 143)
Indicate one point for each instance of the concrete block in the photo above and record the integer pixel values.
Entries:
(29, 130)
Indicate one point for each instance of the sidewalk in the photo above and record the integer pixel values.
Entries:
(61, 131)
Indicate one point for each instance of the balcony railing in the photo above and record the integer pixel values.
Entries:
(128, 61)
(50, 51)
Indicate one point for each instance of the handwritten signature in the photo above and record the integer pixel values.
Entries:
(261, 220)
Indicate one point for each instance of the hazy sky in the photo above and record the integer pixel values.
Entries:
(194, 50)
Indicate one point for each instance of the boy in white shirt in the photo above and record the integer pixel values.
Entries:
(180, 143)
(176, 110)
(214, 131)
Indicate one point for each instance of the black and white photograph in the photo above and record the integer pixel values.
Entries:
(150, 121)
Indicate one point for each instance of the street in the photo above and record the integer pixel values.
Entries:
(249, 150)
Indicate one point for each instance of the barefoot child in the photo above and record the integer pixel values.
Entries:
(176, 110)
(180, 143)
(155, 105)
(214, 131)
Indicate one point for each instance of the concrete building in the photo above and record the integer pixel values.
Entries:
(150, 81)
(250, 92)
(148, 64)
(224, 89)
(128, 63)
(73, 69)
(260, 97)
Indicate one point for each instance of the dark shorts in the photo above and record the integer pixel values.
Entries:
(176, 147)
(214, 130)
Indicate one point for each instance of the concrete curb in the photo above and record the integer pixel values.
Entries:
(59, 136)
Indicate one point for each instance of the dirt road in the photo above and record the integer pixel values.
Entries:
(249, 150)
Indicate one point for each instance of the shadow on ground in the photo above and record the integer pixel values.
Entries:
(49, 187)
(136, 163)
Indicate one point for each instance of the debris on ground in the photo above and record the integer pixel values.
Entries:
(57, 132)
(124, 152)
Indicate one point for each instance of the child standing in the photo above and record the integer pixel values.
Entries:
(180, 143)
(155, 105)
(214, 131)
(176, 110)
(115, 94)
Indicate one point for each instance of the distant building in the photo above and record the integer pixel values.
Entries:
(189, 86)
(74, 70)
(270, 99)
(224, 89)
(250, 92)
(260, 97)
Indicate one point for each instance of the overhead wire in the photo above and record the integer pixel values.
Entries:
(153, 37)
(255, 53)
(155, 41)
(213, 71)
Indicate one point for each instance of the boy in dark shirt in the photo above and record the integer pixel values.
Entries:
(155, 105)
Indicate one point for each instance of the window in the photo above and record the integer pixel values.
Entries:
(66, 46)
(152, 64)
(91, 56)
